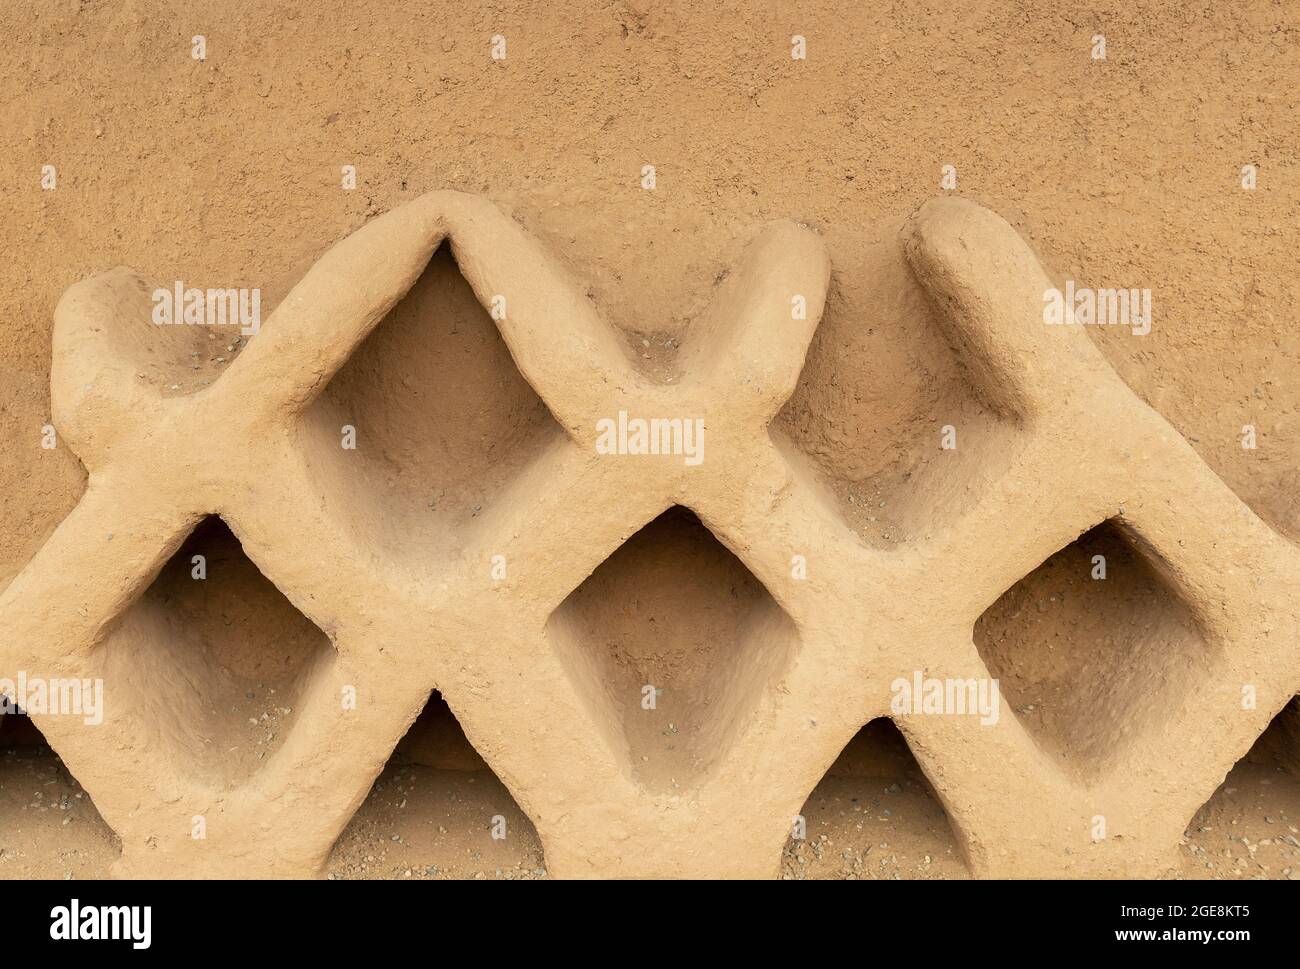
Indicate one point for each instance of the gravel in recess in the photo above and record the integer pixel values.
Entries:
(421, 823)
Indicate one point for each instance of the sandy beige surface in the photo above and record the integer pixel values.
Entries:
(226, 172)
(872, 817)
(1124, 171)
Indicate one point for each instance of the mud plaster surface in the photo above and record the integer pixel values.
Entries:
(1122, 173)
(872, 817)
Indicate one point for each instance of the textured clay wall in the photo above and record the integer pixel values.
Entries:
(823, 230)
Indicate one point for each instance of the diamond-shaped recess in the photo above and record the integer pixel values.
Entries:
(210, 669)
(880, 386)
(879, 814)
(1087, 663)
(674, 614)
(437, 740)
(45, 811)
(442, 419)
(438, 810)
(1246, 829)
(1279, 746)
(1287, 727)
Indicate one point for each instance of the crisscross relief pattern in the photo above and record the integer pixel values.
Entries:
(404, 621)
